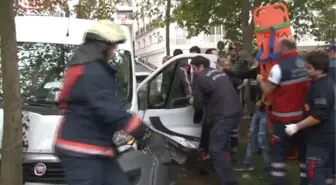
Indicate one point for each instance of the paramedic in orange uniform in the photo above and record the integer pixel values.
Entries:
(287, 84)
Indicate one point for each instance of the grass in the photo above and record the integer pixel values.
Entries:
(252, 178)
(191, 176)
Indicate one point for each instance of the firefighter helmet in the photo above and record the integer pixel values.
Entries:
(106, 31)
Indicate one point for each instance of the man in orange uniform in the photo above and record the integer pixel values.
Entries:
(287, 84)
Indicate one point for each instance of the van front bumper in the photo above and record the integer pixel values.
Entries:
(140, 168)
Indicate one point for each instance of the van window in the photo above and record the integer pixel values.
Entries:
(140, 78)
(170, 86)
(40, 64)
(159, 87)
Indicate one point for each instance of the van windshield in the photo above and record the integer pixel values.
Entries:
(42, 67)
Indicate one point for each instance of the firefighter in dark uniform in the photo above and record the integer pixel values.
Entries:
(91, 111)
(319, 122)
(214, 91)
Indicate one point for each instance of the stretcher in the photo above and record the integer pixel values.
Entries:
(271, 24)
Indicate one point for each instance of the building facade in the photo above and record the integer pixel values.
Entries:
(150, 43)
(124, 9)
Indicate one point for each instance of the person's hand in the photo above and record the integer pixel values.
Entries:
(259, 78)
(291, 129)
(258, 104)
(245, 82)
(191, 100)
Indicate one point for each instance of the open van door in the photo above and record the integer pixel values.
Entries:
(162, 110)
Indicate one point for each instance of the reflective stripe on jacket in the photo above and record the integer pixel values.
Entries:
(288, 98)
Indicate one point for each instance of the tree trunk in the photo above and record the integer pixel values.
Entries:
(11, 152)
(167, 21)
(246, 27)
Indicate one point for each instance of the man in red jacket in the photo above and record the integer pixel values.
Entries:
(287, 84)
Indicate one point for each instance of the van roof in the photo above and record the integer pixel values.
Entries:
(48, 29)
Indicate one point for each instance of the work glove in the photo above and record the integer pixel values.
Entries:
(291, 129)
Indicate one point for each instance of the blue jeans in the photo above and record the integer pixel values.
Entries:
(258, 138)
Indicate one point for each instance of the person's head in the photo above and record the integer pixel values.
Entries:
(224, 64)
(332, 51)
(165, 59)
(199, 63)
(177, 52)
(107, 35)
(195, 49)
(286, 45)
(317, 64)
(233, 51)
(211, 51)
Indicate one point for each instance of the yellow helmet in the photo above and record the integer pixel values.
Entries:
(107, 31)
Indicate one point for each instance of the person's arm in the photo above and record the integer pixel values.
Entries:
(243, 84)
(318, 111)
(252, 73)
(106, 105)
(185, 83)
(198, 97)
(272, 82)
(201, 87)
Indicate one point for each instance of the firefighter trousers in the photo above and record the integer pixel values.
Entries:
(234, 136)
(282, 146)
(219, 149)
(93, 170)
(319, 164)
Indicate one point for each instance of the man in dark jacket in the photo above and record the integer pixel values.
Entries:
(240, 62)
(332, 74)
(92, 111)
(181, 85)
(332, 65)
(319, 122)
(214, 91)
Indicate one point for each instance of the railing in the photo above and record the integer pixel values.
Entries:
(203, 39)
(147, 64)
